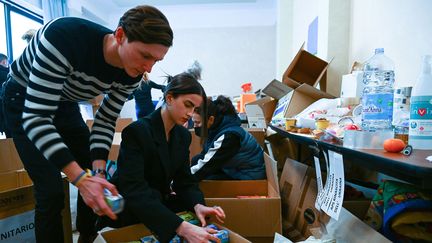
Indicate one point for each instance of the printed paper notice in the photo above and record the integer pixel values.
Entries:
(334, 199)
(319, 183)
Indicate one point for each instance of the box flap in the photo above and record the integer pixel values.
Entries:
(304, 96)
(9, 158)
(276, 89)
(271, 172)
(129, 233)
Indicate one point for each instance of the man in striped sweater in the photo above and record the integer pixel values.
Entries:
(71, 60)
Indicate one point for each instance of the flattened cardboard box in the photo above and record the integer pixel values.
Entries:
(266, 217)
(16, 189)
(137, 231)
(298, 193)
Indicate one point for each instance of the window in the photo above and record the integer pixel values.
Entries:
(19, 25)
(15, 20)
(3, 47)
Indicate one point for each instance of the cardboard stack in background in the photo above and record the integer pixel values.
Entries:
(296, 91)
(136, 232)
(298, 194)
(17, 201)
(254, 218)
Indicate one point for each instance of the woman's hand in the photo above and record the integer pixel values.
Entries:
(92, 192)
(193, 234)
(202, 212)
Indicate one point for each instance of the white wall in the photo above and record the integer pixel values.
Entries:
(402, 27)
(235, 43)
(229, 56)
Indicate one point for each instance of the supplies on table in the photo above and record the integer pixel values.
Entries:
(420, 130)
(377, 97)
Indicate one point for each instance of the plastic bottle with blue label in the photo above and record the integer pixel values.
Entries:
(420, 129)
(377, 96)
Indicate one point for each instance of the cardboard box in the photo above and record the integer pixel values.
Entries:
(306, 68)
(258, 134)
(137, 231)
(287, 102)
(115, 147)
(298, 193)
(17, 201)
(266, 217)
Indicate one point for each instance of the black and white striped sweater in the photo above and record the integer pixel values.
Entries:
(65, 62)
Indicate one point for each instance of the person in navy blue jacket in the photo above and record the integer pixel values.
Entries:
(229, 152)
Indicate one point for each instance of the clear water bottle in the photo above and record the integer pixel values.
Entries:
(377, 97)
(420, 129)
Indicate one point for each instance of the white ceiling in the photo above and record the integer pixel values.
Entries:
(127, 3)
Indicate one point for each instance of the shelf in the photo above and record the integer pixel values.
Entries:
(414, 169)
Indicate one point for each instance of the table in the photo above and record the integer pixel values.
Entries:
(414, 168)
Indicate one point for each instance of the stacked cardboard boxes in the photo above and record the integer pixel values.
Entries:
(299, 216)
(291, 96)
(17, 201)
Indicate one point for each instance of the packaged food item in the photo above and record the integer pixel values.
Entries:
(116, 203)
(223, 235)
(149, 239)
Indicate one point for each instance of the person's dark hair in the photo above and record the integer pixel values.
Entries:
(185, 83)
(148, 25)
(219, 108)
(3, 57)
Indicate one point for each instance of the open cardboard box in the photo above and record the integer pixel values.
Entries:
(286, 102)
(302, 75)
(250, 217)
(306, 68)
(299, 215)
(137, 231)
(17, 201)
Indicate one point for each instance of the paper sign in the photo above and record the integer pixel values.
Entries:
(323, 194)
(319, 182)
(18, 228)
(334, 199)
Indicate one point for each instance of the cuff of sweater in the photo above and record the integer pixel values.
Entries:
(61, 158)
(99, 154)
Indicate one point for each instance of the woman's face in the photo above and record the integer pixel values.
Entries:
(182, 108)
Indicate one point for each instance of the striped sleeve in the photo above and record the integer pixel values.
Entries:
(46, 80)
(104, 124)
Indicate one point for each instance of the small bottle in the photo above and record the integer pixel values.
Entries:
(420, 127)
(377, 97)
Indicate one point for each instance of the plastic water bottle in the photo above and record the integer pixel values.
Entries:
(420, 129)
(377, 97)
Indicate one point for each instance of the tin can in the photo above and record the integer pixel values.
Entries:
(116, 203)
